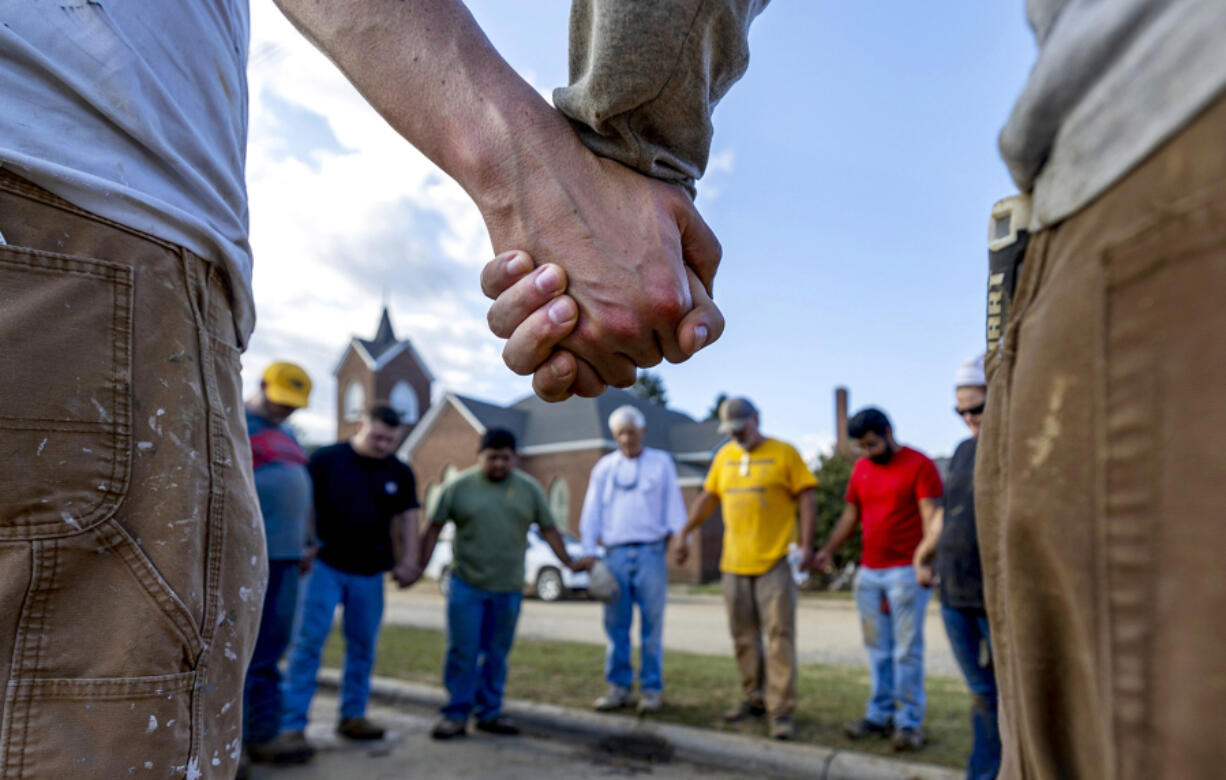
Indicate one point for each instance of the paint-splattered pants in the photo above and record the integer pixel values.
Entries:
(764, 606)
(132, 560)
(1101, 481)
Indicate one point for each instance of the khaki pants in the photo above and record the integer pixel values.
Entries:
(764, 605)
(132, 561)
(1101, 481)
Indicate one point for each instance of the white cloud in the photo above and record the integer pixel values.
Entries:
(813, 444)
(346, 213)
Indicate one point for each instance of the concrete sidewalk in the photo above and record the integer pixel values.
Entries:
(717, 752)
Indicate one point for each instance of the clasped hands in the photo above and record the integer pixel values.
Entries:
(620, 276)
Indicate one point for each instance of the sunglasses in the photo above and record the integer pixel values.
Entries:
(970, 410)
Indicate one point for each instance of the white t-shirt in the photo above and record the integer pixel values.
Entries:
(136, 110)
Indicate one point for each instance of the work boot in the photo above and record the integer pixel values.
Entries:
(861, 729)
(908, 738)
(744, 711)
(782, 727)
(360, 729)
(499, 725)
(649, 702)
(448, 728)
(614, 699)
(288, 747)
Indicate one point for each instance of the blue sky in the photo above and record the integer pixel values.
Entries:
(852, 172)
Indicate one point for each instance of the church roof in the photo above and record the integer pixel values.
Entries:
(380, 350)
(578, 423)
(384, 340)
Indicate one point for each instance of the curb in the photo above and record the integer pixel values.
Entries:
(696, 745)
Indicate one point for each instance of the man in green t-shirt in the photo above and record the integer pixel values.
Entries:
(493, 506)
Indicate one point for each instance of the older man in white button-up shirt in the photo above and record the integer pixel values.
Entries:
(633, 505)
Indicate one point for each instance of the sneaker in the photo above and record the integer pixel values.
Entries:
(866, 728)
(649, 702)
(782, 727)
(289, 747)
(499, 725)
(360, 729)
(615, 698)
(446, 728)
(744, 711)
(908, 738)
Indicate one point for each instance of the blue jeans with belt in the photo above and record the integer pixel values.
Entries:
(895, 643)
(641, 571)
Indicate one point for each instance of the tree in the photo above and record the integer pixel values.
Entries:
(650, 387)
(719, 401)
(832, 474)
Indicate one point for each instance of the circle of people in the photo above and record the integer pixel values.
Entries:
(917, 535)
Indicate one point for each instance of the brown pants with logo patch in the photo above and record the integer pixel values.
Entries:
(1101, 481)
(132, 561)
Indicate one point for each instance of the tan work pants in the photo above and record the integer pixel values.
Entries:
(1101, 481)
(132, 562)
(758, 606)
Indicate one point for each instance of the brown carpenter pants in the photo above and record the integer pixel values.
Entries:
(764, 605)
(1101, 481)
(132, 561)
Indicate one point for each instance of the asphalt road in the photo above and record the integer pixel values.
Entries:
(827, 631)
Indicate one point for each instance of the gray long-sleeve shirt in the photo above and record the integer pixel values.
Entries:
(1112, 81)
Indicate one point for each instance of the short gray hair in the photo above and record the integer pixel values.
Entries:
(624, 415)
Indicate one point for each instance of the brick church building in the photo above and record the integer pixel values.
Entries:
(558, 443)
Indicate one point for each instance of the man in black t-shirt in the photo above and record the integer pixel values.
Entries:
(366, 515)
(953, 539)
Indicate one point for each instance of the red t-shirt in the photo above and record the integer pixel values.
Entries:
(888, 500)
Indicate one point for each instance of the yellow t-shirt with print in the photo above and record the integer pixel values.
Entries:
(757, 492)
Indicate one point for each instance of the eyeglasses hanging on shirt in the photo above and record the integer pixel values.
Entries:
(626, 474)
(745, 464)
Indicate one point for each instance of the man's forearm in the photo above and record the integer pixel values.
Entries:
(429, 70)
(554, 539)
(428, 540)
(842, 530)
(808, 519)
(702, 508)
(410, 546)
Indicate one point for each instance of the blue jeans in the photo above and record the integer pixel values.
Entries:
(969, 638)
(361, 596)
(480, 629)
(641, 571)
(895, 643)
(262, 691)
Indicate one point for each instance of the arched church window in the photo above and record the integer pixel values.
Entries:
(355, 401)
(559, 502)
(404, 400)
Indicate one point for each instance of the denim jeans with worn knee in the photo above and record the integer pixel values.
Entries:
(895, 643)
(970, 640)
(361, 599)
(641, 571)
(480, 630)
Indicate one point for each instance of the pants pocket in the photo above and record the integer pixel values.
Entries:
(65, 373)
(137, 727)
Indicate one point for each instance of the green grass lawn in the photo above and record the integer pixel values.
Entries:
(698, 689)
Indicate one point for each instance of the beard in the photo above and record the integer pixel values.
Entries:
(884, 457)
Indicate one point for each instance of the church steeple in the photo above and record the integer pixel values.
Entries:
(385, 336)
